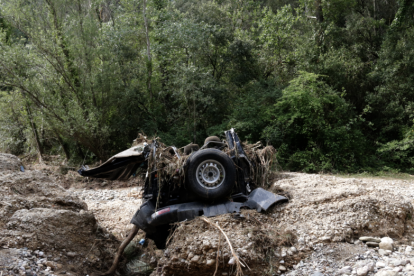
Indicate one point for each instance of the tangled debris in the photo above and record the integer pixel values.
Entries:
(169, 162)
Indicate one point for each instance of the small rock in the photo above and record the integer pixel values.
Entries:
(386, 246)
(404, 262)
(196, 258)
(317, 273)
(362, 271)
(398, 269)
(383, 252)
(408, 250)
(370, 239)
(372, 244)
(386, 273)
(71, 254)
(409, 268)
(159, 253)
(325, 238)
(210, 262)
(396, 262)
(380, 264)
(51, 264)
(293, 249)
(387, 240)
(345, 270)
(282, 268)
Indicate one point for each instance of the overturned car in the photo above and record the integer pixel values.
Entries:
(218, 178)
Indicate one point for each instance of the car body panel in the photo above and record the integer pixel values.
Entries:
(120, 166)
(259, 199)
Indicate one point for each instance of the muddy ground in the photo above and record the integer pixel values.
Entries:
(53, 221)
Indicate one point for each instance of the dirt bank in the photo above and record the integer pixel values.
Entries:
(38, 215)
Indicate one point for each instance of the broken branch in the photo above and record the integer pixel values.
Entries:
(121, 248)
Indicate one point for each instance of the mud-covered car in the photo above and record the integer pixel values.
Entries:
(218, 178)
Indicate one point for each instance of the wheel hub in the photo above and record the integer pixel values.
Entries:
(210, 174)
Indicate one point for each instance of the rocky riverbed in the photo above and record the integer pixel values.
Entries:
(46, 229)
(113, 208)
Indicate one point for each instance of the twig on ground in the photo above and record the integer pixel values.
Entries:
(172, 234)
(217, 257)
(239, 270)
(261, 223)
(91, 247)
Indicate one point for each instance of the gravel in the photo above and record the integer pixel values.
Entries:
(113, 208)
(24, 261)
(346, 259)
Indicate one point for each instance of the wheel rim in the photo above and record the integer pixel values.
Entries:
(210, 174)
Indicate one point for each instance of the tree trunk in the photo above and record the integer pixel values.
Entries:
(319, 12)
(35, 134)
(63, 144)
(80, 151)
(149, 61)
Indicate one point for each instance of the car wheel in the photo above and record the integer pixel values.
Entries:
(211, 174)
(212, 139)
(190, 148)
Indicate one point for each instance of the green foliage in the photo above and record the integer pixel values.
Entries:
(328, 83)
(248, 116)
(314, 127)
(12, 135)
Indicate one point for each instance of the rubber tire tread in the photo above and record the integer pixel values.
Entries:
(211, 194)
(191, 148)
(212, 138)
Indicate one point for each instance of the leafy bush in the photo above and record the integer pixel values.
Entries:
(314, 128)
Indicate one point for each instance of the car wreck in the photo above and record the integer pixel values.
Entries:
(218, 178)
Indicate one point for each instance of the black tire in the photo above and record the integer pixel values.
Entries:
(212, 139)
(211, 174)
(190, 148)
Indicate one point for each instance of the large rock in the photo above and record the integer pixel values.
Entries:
(9, 162)
(53, 228)
(386, 246)
(370, 239)
(386, 243)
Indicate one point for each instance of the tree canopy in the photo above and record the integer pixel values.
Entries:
(328, 83)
